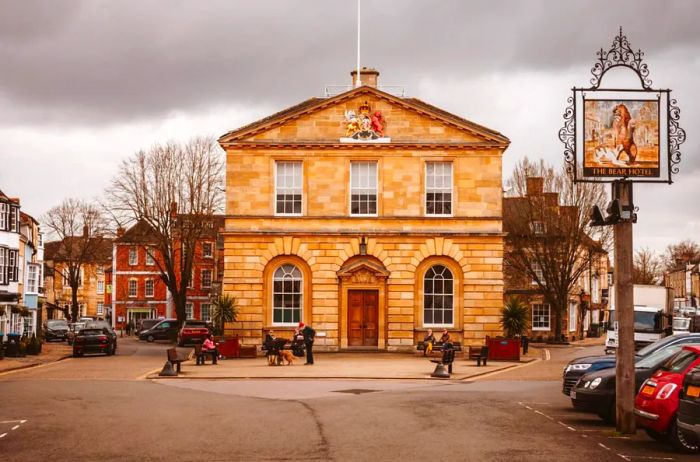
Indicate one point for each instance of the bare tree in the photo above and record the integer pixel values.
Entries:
(648, 268)
(78, 227)
(176, 188)
(550, 241)
(686, 251)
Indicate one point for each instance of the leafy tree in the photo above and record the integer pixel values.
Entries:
(224, 311)
(686, 251)
(515, 317)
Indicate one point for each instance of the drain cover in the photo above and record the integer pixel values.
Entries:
(355, 391)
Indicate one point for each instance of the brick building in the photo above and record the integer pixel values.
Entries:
(137, 290)
(684, 281)
(370, 216)
(588, 298)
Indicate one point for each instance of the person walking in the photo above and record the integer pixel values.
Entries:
(128, 329)
(309, 334)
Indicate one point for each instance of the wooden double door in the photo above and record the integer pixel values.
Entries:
(363, 318)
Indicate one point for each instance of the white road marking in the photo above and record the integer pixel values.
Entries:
(3, 435)
(624, 457)
(547, 355)
(15, 427)
(12, 421)
(603, 446)
(543, 414)
(650, 458)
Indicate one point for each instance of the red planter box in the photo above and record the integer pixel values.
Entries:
(229, 347)
(504, 349)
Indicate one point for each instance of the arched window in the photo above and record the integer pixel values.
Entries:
(287, 295)
(438, 297)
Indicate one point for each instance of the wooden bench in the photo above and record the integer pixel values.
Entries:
(479, 353)
(177, 359)
(201, 356)
(437, 347)
(448, 357)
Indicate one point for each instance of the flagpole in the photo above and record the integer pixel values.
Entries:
(358, 81)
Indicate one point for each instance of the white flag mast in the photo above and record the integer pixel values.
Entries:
(358, 81)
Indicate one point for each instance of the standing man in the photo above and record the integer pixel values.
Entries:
(309, 333)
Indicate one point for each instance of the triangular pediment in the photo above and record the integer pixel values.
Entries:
(388, 119)
(363, 265)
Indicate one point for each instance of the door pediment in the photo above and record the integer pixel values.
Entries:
(363, 271)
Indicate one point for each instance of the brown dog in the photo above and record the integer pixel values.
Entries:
(286, 355)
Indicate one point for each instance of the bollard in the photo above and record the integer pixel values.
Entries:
(168, 370)
(440, 372)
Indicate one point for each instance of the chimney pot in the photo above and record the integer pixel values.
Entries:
(534, 186)
(368, 77)
(85, 231)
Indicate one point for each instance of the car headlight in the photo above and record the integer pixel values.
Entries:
(577, 367)
(595, 382)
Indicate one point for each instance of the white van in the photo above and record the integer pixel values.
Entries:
(650, 325)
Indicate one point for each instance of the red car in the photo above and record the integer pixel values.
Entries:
(192, 332)
(656, 405)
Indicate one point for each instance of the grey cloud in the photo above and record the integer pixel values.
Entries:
(105, 61)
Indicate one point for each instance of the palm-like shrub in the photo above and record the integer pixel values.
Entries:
(515, 317)
(224, 311)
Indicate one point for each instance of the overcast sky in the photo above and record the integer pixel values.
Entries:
(84, 84)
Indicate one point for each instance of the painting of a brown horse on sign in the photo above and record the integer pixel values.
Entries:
(621, 138)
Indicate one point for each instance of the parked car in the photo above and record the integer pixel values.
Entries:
(681, 325)
(595, 391)
(689, 406)
(145, 324)
(55, 329)
(580, 366)
(166, 329)
(192, 332)
(656, 404)
(73, 329)
(107, 327)
(93, 341)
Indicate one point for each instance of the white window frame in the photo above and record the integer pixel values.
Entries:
(152, 283)
(150, 261)
(573, 316)
(201, 278)
(537, 269)
(32, 278)
(301, 295)
(136, 288)
(100, 287)
(210, 246)
(376, 188)
(3, 265)
(595, 289)
(443, 294)
(293, 189)
(133, 252)
(100, 308)
(439, 190)
(189, 310)
(201, 311)
(3, 216)
(537, 227)
(548, 316)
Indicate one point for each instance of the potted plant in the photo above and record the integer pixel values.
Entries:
(515, 322)
(225, 310)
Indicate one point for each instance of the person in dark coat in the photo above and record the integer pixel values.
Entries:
(309, 334)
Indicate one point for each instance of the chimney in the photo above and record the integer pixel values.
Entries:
(120, 231)
(551, 199)
(368, 76)
(534, 185)
(173, 210)
(85, 231)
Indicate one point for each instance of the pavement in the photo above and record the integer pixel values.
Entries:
(340, 366)
(50, 352)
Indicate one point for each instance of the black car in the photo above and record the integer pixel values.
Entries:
(107, 327)
(580, 366)
(145, 324)
(689, 406)
(595, 391)
(93, 341)
(165, 330)
(55, 329)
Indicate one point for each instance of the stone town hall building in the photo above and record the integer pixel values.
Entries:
(371, 217)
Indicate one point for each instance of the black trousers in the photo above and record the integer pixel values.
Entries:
(309, 352)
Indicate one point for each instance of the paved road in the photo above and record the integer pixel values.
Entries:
(511, 416)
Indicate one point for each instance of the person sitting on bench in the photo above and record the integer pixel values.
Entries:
(445, 338)
(428, 342)
(209, 347)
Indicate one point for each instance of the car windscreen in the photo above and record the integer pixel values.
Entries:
(681, 323)
(147, 324)
(657, 358)
(645, 321)
(679, 363)
(195, 324)
(98, 325)
(656, 346)
(57, 323)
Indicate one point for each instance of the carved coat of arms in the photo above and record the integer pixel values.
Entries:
(364, 125)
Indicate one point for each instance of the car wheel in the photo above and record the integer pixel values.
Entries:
(150, 339)
(609, 414)
(680, 440)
